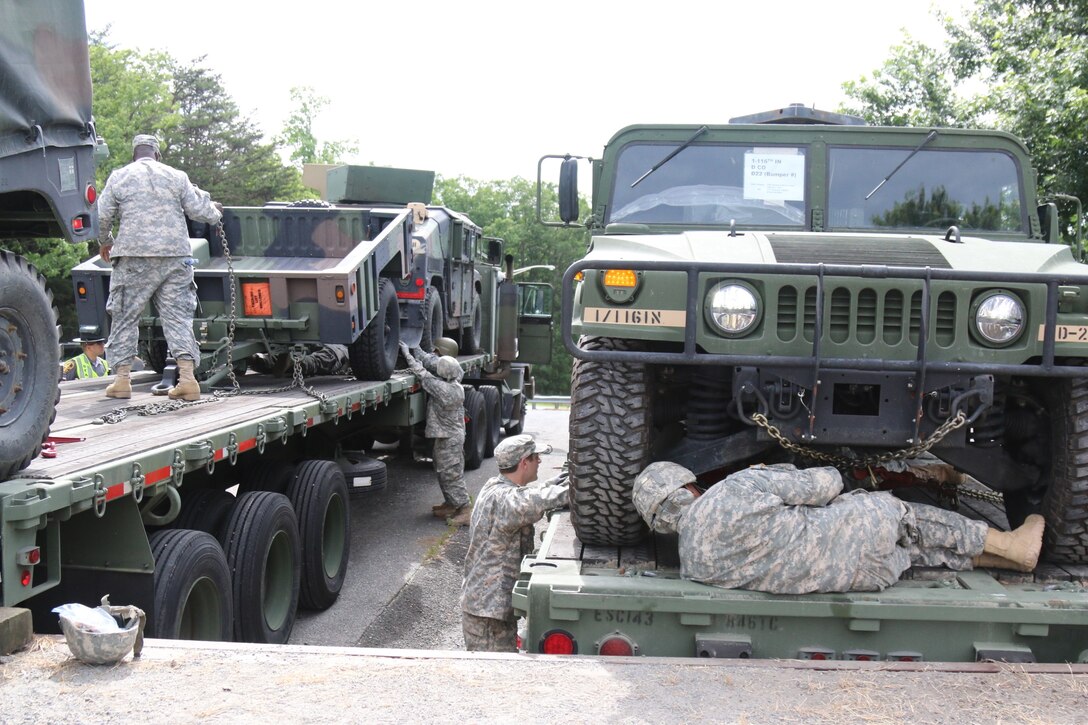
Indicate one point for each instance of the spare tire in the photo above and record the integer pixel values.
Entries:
(29, 353)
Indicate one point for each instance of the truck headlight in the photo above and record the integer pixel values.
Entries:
(732, 307)
(999, 318)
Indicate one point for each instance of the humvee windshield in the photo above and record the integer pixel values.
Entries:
(767, 186)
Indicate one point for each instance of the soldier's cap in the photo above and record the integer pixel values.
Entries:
(655, 484)
(512, 450)
(145, 139)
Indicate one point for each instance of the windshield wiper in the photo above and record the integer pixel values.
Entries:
(932, 135)
(675, 151)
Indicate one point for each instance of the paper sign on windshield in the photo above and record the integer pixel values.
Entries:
(774, 177)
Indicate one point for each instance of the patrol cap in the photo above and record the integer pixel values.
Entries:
(510, 452)
(145, 139)
(657, 482)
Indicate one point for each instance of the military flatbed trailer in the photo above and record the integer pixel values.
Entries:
(595, 600)
(112, 507)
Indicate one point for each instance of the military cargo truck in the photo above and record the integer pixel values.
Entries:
(797, 284)
(47, 147)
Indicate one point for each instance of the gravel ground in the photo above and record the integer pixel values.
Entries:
(194, 682)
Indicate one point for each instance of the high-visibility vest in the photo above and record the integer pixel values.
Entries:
(84, 368)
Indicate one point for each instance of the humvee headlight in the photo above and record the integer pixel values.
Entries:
(999, 318)
(732, 307)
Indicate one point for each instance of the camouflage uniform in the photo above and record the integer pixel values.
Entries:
(327, 360)
(501, 535)
(151, 257)
(787, 531)
(445, 427)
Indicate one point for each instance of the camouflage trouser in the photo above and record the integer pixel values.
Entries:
(941, 538)
(484, 634)
(327, 360)
(449, 464)
(166, 280)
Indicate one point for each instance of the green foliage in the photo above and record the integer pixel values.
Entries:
(1028, 60)
(298, 134)
(223, 152)
(507, 209)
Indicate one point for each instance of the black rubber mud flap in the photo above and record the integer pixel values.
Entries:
(610, 426)
(262, 547)
(192, 587)
(374, 353)
(29, 357)
(320, 497)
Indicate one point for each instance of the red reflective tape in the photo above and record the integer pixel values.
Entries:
(247, 445)
(115, 491)
(417, 295)
(157, 475)
(220, 454)
(356, 406)
(309, 422)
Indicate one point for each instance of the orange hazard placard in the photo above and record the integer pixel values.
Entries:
(257, 299)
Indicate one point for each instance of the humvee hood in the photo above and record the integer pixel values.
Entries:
(893, 250)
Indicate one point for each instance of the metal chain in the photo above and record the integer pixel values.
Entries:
(949, 490)
(297, 380)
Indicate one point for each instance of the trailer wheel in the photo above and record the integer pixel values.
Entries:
(470, 335)
(1065, 503)
(374, 353)
(267, 475)
(433, 319)
(517, 420)
(320, 497)
(610, 423)
(29, 352)
(262, 547)
(205, 510)
(475, 428)
(493, 405)
(192, 598)
(157, 352)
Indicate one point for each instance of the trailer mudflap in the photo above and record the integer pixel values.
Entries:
(936, 616)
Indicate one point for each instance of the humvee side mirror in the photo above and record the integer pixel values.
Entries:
(568, 190)
(1048, 219)
(494, 251)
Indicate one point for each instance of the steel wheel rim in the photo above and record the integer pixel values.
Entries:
(278, 582)
(200, 612)
(333, 537)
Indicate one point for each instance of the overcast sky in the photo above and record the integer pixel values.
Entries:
(485, 88)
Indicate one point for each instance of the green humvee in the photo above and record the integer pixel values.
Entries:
(798, 282)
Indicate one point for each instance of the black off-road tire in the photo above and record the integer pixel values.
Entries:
(470, 333)
(1065, 503)
(30, 347)
(493, 405)
(433, 319)
(610, 424)
(206, 510)
(192, 598)
(264, 555)
(157, 352)
(374, 354)
(319, 494)
(475, 428)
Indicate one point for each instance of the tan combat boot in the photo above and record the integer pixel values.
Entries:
(121, 387)
(187, 388)
(1017, 550)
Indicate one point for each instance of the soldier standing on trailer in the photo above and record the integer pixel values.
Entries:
(151, 259)
(445, 427)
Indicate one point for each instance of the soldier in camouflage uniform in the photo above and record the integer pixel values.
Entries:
(151, 260)
(441, 378)
(784, 530)
(500, 536)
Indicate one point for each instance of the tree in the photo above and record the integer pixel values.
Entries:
(1029, 58)
(222, 151)
(298, 134)
(507, 209)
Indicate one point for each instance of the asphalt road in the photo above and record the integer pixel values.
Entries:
(404, 575)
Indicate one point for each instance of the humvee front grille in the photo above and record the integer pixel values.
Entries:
(864, 316)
